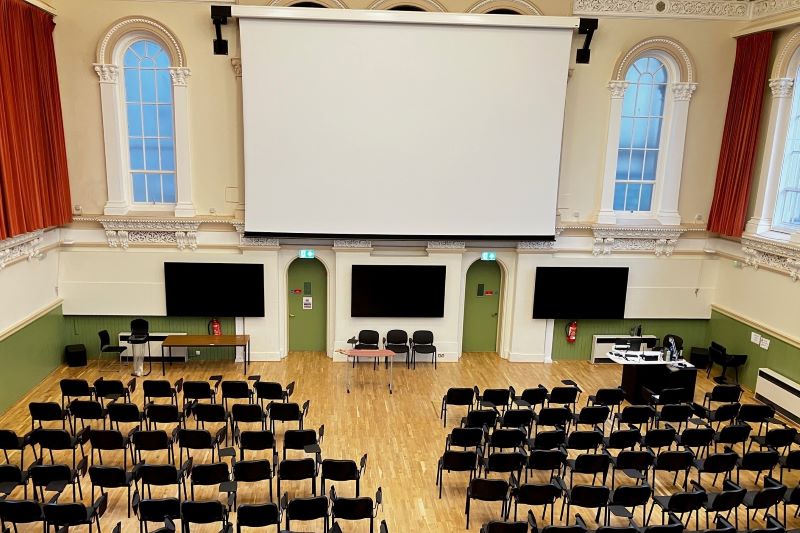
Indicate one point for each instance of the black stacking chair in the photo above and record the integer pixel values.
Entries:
(306, 509)
(160, 510)
(73, 389)
(534, 494)
(717, 463)
(110, 440)
(422, 342)
(773, 525)
(517, 418)
(210, 413)
(779, 438)
(48, 412)
(611, 398)
(160, 389)
(566, 394)
(697, 439)
(770, 496)
(367, 339)
(726, 412)
(59, 440)
(488, 490)
(286, 412)
(164, 476)
(725, 501)
(10, 441)
(202, 439)
(157, 413)
(584, 440)
(55, 478)
(214, 474)
(237, 390)
(498, 398)
(673, 461)
(12, 476)
(592, 415)
(530, 397)
(546, 461)
(790, 461)
(456, 461)
(723, 394)
(358, 508)
(246, 414)
(589, 497)
(204, 512)
(303, 440)
(628, 497)
(792, 497)
(298, 470)
(270, 391)
(635, 464)
(758, 462)
(634, 415)
(478, 418)
(111, 477)
(396, 340)
(623, 439)
(152, 441)
(680, 503)
(345, 470)
(66, 515)
(90, 410)
(506, 438)
(668, 396)
(198, 391)
(593, 464)
(256, 441)
(548, 440)
(504, 526)
(501, 462)
(732, 435)
(258, 515)
(674, 413)
(16, 512)
(107, 347)
(659, 438)
(557, 417)
(721, 357)
(125, 413)
(113, 389)
(253, 471)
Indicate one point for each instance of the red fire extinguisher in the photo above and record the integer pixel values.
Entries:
(572, 331)
(214, 327)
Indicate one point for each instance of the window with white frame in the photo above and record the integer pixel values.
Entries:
(150, 118)
(640, 135)
(787, 205)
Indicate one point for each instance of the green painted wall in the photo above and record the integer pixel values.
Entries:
(83, 330)
(481, 312)
(29, 355)
(735, 336)
(693, 331)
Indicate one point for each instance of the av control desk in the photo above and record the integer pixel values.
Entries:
(647, 370)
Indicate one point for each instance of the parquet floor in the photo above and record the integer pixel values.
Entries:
(401, 433)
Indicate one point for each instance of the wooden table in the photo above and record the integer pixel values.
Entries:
(367, 354)
(205, 341)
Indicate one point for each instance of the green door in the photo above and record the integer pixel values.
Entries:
(308, 294)
(481, 306)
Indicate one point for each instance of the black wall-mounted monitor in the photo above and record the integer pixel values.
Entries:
(580, 292)
(214, 289)
(415, 291)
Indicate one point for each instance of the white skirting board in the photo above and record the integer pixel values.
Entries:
(780, 392)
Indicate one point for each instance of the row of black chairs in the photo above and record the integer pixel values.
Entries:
(398, 341)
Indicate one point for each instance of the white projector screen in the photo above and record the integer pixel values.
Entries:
(397, 124)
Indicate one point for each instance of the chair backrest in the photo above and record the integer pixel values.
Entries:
(584, 440)
(507, 438)
(369, 337)
(669, 338)
(195, 439)
(697, 437)
(210, 412)
(468, 437)
(734, 433)
(499, 526)
(716, 350)
(46, 411)
(516, 418)
(238, 390)
(591, 463)
(613, 396)
(105, 388)
(105, 338)
(564, 394)
(107, 439)
(624, 438)
(268, 390)
(307, 508)
(727, 412)
(75, 388)
(547, 460)
(358, 508)
(720, 462)
(671, 396)
(108, 476)
(65, 514)
(675, 412)
(252, 470)
(535, 395)
(156, 509)
(477, 418)
(630, 495)
(490, 490)
(157, 388)
(151, 440)
(729, 498)
(422, 336)
(759, 460)
(780, 437)
(672, 461)
(163, 413)
(87, 409)
(396, 336)
(203, 512)
(505, 462)
(256, 440)
(210, 474)
(755, 412)
(9, 440)
(638, 460)
(258, 515)
(537, 493)
(547, 440)
(594, 414)
(297, 469)
(297, 439)
(591, 496)
(636, 414)
(726, 393)
(553, 416)
(52, 439)
(42, 475)
(499, 397)
(685, 502)
(247, 413)
(284, 412)
(660, 437)
(197, 390)
(21, 511)
(773, 526)
(344, 469)
(160, 475)
(140, 326)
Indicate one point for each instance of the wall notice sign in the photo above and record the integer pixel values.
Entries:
(308, 303)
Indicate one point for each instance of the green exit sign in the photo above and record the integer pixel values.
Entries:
(488, 256)
(306, 254)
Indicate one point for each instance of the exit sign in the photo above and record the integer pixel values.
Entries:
(488, 256)
(306, 254)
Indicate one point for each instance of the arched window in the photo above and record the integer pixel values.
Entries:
(150, 117)
(640, 135)
(787, 204)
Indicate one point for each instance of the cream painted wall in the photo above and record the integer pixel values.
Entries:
(215, 102)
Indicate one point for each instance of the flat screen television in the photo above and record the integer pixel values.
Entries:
(214, 289)
(414, 291)
(580, 292)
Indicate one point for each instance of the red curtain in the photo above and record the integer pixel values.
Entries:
(739, 138)
(34, 184)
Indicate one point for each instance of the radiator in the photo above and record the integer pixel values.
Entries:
(155, 346)
(780, 392)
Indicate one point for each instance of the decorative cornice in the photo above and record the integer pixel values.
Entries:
(700, 9)
(618, 88)
(236, 65)
(659, 240)
(179, 75)
(360, 244)
(781, 87)
(767, 8)
(682, 92)
(447, 245)
(106, 73)
(123, 233)
(21, 246)
(778, 256)
(254, 242)
(527, 246)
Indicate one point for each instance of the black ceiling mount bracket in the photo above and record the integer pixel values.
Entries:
(219, 17)
(586, 27)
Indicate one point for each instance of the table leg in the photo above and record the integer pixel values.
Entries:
(246, 356)
(163, 370)
(347, 372)
(391, 368)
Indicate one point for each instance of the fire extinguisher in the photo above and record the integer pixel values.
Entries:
(572, 331)
(214, 327)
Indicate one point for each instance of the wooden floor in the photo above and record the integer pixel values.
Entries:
(401, 433)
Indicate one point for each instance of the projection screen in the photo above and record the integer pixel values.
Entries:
(401, 124)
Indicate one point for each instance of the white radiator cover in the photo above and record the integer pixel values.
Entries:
(779, 391)
(156, 338)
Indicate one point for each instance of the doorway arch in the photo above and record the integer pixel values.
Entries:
(307, 305)
(482, 307)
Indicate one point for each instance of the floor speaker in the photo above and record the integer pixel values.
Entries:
(75, 354)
